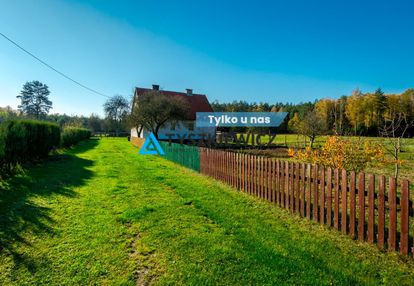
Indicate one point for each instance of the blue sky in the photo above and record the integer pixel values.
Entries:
(272, 51)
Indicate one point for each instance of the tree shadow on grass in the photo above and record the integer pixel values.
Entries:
(20, 215)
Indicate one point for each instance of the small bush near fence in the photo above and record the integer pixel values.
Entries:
(26, 140)
(73, 135)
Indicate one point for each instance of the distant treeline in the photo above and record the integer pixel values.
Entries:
(357, 114)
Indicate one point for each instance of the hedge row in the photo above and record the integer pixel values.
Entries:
(27, 140)
(73, 135)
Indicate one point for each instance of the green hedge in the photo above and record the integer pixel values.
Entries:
(72, 135)
(26, 140)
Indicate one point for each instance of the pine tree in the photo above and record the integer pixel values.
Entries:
(380, 106)
(35, 99)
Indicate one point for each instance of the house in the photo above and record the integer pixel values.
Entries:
(197, 103)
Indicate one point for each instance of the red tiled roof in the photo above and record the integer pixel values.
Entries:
(197, 102)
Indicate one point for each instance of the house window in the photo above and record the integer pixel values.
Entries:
(191, 126)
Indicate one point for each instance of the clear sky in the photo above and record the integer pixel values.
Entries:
(272, 51)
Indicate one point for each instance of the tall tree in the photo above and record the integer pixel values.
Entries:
(35, 99)
(153, 109)
(116, 110)
(380, 106)
(312, 126)
(355, 109)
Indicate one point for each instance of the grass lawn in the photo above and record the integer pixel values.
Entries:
(101, 214)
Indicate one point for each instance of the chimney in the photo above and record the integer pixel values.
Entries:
(189, 92)
(155, 87)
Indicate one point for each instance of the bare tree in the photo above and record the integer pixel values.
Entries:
(116, 110)
(312, 126)
(394, 130)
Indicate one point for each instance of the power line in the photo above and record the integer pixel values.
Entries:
(52, 68)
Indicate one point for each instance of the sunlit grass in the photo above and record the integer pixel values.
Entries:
(101, 214)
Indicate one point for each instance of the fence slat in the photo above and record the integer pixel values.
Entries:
(308, 191)
(249, 179)
(329, 198)
(282, 184)
(292, 188)
(244, 156)
(405, 223)
(352, 204)
(278, 184)
(229, 162)
(344, 202)
(265, 177)
(361, 206)
(261, 177)
(297, 191)
(236, 160)
(322, 190)
(371, 208)
(270, 180)
(302, 190)
(287, 185)
(336, 195)
(254, 183)
(381, 212)
(315, 193)
(392, 216)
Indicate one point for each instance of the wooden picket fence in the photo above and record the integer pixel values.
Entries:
(367, 207)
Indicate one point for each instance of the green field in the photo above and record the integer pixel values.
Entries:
(101, 214)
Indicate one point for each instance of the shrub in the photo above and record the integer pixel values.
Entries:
(351, 155)
(73, 135)
(26, 140)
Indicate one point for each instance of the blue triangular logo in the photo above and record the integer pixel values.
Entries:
(151, 146)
